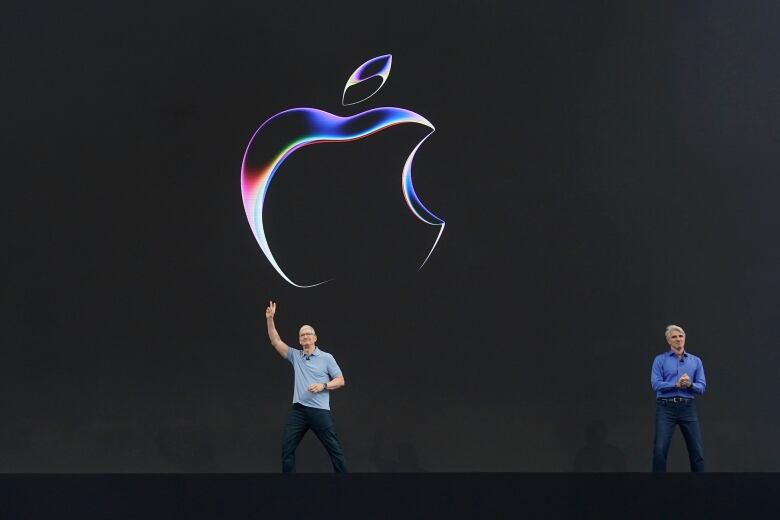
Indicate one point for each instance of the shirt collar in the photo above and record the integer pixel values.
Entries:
(316, 352)
(685, 353)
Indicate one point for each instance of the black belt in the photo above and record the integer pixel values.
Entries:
(674, 399)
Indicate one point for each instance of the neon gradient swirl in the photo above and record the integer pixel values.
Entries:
(315, 126)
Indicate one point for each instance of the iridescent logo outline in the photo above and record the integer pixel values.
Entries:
(322, 127)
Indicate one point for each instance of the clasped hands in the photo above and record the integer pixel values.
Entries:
(684, 382)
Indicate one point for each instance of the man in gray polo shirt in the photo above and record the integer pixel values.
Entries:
(316, 375)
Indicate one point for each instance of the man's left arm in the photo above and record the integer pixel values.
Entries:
(334, 370)
(334, 384)
(699, 381)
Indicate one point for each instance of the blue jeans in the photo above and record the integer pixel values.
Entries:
(669, 414)
(299, 420)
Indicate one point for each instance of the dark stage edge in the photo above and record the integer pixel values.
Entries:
(391, 495)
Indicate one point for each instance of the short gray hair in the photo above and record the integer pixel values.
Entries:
(670, 328)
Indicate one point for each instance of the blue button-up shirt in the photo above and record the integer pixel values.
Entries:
(667, 370)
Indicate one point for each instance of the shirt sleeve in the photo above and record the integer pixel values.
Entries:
(699, 381)
(657, 376)
(291, 353)
(333, 368)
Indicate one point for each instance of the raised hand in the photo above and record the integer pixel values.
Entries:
(280, 346)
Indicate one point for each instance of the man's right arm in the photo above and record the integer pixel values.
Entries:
(657, 377)
(280, 346)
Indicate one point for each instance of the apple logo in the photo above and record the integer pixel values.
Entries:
(290, 130)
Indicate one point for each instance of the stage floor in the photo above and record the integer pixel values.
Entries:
(396, 495)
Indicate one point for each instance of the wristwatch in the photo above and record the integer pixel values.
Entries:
(324, 386)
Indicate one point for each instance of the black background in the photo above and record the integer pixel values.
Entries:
(604, 169)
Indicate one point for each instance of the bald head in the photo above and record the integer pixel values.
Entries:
(307, 328)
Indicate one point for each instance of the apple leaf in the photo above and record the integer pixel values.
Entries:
(378, 68)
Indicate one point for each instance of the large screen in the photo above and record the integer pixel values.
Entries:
(489, 211)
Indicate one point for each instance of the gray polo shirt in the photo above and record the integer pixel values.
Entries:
(320, 367)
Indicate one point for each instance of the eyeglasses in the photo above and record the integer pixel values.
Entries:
(302, 334)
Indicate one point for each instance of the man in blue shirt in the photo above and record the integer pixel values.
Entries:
(316, 375)
(676, 377)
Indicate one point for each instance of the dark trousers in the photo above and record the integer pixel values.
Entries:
(669, 414)
(299, 420)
